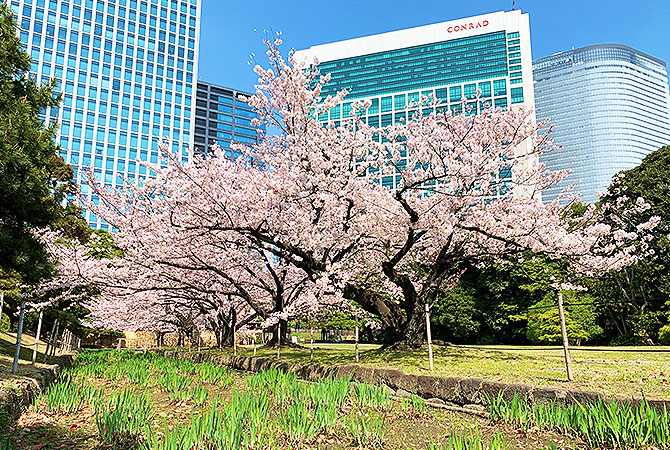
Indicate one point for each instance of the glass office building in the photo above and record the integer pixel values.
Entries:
(611, 108)
(222, 118)
(452, 60)
(127, 71)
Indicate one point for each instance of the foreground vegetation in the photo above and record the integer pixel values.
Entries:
(124, 400)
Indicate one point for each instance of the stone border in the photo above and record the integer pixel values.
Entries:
(471, 393)
(13, 400)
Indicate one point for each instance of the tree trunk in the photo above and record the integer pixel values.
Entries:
(402, 327)
(285, 340)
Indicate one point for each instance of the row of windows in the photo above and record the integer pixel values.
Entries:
(401, 117)
(175, 45)
(78, 131)
(171, 76)
(440, 63)
(74, 19)
(132, 4)
(453, 94)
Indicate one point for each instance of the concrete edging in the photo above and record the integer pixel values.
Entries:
(471, 393)
(13, 400)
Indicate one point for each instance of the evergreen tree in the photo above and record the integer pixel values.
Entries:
(34, 179)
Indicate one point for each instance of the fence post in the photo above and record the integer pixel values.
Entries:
(55, 344)
(50, 341)
(37, 336)
(15, 366)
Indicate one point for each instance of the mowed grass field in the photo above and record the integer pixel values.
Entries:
(622, 371)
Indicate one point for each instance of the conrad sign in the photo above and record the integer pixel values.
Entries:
(467, 26)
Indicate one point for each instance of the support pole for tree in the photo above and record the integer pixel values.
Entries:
(356, 338)
(430, 340)
(37, 336)
(55, 344)
(2, 303)
(50, 342)
(564, 333)
(278, 339)
(234, 341)
(311, 339)
(15, 366)
(254, 343)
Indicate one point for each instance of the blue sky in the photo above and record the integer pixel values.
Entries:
(232, 29)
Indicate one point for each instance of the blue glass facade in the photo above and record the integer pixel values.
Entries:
(127, 71)
(489, 56)
(610, 106)
(222, 118)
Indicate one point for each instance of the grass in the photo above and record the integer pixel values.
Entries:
(102, 402)
(25, 368)
(610, 424)
(622, 371)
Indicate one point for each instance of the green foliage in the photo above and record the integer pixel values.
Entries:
(102, 245)
(471, 439)
(4, 323)
(456, 311)
(580, 319)
(337, 320)
(7, 444)
(124, 418)
(366, 431)
(369, 395)
(484, 306)
(642, 290)
(664, 335)
(34, 179)
(67, 396)
(601, 424)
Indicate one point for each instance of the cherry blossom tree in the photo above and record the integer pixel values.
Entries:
(303, 217)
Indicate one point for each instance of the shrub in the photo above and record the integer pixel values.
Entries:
(4, 323)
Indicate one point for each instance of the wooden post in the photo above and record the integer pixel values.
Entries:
(234, 340)
(55, 344)
(15, 366)
(278, 339)
(356, 338)
(37, 336)
(2, 303)
(311, 339)
(430, 340)
(50, 342)
(564, 333)
(254, 343)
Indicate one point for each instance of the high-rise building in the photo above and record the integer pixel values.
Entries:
(489, 54)
(611, 108)
(127, 71)
(222, 118)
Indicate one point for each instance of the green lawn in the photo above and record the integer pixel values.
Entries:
(7, 349)
(624, 371)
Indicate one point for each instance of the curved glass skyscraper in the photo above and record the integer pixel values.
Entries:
(611, 108)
